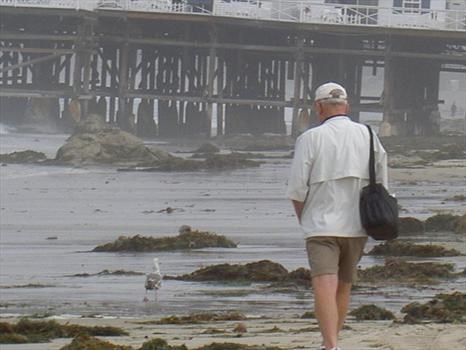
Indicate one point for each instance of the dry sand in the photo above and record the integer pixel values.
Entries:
(287, 333)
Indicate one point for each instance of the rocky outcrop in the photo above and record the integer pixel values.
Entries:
(95, 142)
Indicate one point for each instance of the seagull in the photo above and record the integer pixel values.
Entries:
(153, 279)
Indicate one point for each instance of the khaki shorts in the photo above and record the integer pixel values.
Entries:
(336, 256)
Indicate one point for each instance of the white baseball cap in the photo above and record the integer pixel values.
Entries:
(331, 91)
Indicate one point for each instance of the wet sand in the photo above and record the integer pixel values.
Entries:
(84, 207)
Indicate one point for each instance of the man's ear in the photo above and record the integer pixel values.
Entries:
(347, 110)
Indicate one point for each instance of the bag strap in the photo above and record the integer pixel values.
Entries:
(371, 158)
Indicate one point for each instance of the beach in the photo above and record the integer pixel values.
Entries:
(283, 332)
(51, 217)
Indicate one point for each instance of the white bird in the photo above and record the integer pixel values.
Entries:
(153, 279)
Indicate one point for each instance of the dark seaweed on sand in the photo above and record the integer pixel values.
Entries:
(30, 331)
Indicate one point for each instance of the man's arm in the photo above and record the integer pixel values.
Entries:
(298, 208)
(299, 177)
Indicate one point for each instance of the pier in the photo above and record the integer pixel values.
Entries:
(235, 66)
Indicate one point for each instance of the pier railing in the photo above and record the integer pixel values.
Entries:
(276, 10)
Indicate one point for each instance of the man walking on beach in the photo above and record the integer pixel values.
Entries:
(330, 166)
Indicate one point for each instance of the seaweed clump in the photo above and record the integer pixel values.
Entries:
(396, 270)
(441, 222)
(444, 308)
(108, 273)
(207, 148)
(28, 331)
(436, 223)
(91, 343)
(23, 157)
(259, 271)
(229, 161)
(235, 346)
(185, 240)
(410, 225)
(160, 344)
(460, 226)
(211, 162)
(400, 248)
(372, 312)
(87, 342)
(197, 318)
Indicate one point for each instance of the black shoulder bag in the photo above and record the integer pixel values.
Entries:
(379, 210)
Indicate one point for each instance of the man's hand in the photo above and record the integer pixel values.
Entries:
(298, 208)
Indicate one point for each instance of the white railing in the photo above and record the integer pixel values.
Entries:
(311, 11)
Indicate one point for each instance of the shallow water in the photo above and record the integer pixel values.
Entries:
(84, 207)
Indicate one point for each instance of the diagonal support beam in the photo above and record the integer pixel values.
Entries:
(33, 61)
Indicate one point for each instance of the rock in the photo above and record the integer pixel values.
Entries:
(410, 225)
(188, 240)
(94, 123)
(402, 248)
(460, 226)
(444, 308)
(23, 157)
(441, 222)
(371, 312)
(94, 142)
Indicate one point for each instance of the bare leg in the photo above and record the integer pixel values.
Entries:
(343, 299)
(326, 308)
